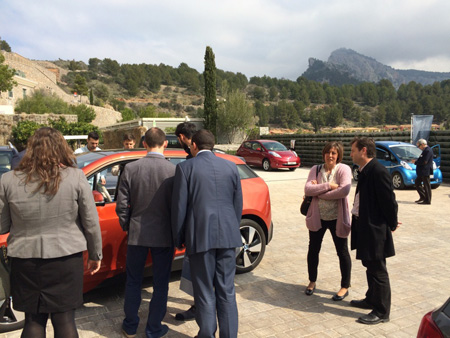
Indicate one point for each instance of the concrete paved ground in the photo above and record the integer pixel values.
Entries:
(271, 299)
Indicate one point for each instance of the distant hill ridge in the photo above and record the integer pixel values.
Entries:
(345, 66)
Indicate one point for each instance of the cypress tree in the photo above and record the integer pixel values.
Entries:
(210, 103)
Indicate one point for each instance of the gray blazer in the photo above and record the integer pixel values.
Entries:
(40, 226)
(143, 201)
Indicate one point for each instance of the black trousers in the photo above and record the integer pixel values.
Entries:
(379, 292)
(315, 243)
(423, 187)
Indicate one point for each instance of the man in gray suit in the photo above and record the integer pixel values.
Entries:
(143, 207)
(206, 212)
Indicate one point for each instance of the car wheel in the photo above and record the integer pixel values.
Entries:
(266, 164)
(250, 254)
(397, 181)
(292, 169)
(355, 172)
(10, 319)
(435, 186)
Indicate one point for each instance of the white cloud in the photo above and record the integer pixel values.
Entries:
(254, 37)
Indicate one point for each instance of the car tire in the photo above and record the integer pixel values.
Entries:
(397, 181)
(355, 172)
(11, 319)
(292, 169)
(250, 254)
(266, 164)
(435, 186)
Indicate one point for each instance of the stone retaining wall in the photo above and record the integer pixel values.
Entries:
(45, 77)
(8, 121)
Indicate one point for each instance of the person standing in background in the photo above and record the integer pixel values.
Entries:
(424, 167)
(91, 145)
(374, 219)
(184, 133)
(129, 141)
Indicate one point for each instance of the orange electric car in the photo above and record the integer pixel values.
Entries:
(256, 225)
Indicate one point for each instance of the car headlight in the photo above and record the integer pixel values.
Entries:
(405, 165)
(294, 153)
(274, 154)
(434, 166)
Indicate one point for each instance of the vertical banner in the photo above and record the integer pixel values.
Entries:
(421, 126)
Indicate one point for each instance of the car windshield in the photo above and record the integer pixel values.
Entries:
(86, 158)
(406, 152)
(276, 146)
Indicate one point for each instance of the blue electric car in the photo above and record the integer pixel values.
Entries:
(398, 159)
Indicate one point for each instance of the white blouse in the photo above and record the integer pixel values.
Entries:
(328, 209)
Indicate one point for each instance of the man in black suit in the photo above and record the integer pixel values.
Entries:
(424, 167)
(184, 133)
(206, 213)
(143, 207)
(374, 218)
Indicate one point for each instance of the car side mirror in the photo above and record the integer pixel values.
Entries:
(98, 198)
(258, 149)
(387, 157)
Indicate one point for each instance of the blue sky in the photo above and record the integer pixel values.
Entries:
(254, 37)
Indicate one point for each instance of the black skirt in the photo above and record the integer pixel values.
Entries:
(47, 285)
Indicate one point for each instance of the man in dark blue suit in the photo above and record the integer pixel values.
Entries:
(424, 167)
(206, 212)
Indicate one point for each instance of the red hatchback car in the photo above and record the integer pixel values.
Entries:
(268, 154)
(256, 225)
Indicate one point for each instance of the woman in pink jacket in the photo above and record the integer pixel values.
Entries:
(329, 210)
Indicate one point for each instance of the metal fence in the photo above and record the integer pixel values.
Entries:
(309, 146)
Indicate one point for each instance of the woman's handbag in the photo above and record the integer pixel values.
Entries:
(308, 199)
(5, 268)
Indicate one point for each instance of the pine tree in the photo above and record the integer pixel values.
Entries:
(210, 103)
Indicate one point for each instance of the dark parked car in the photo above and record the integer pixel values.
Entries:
(6, 154)
(173, 141)
(268, 154)
(436, 323)
(398, 158)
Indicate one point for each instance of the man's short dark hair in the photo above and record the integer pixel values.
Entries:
(154, 137)
(93, 135)
(204, 139)
(362, 142)
(188, 129)
(129, 137)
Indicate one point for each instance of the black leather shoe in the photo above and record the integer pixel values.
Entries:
(418, 201)
(423, 202)
(309, 292)
(186, 315)
(337, 298)
(362, 304)
(372, 318)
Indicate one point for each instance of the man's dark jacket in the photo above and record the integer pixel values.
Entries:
(372, 237)
(424, 164)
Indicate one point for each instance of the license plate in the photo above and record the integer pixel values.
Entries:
(291, 163)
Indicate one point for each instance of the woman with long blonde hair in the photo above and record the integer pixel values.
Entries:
(47, 207)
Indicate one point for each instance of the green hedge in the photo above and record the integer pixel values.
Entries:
(309, 146)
